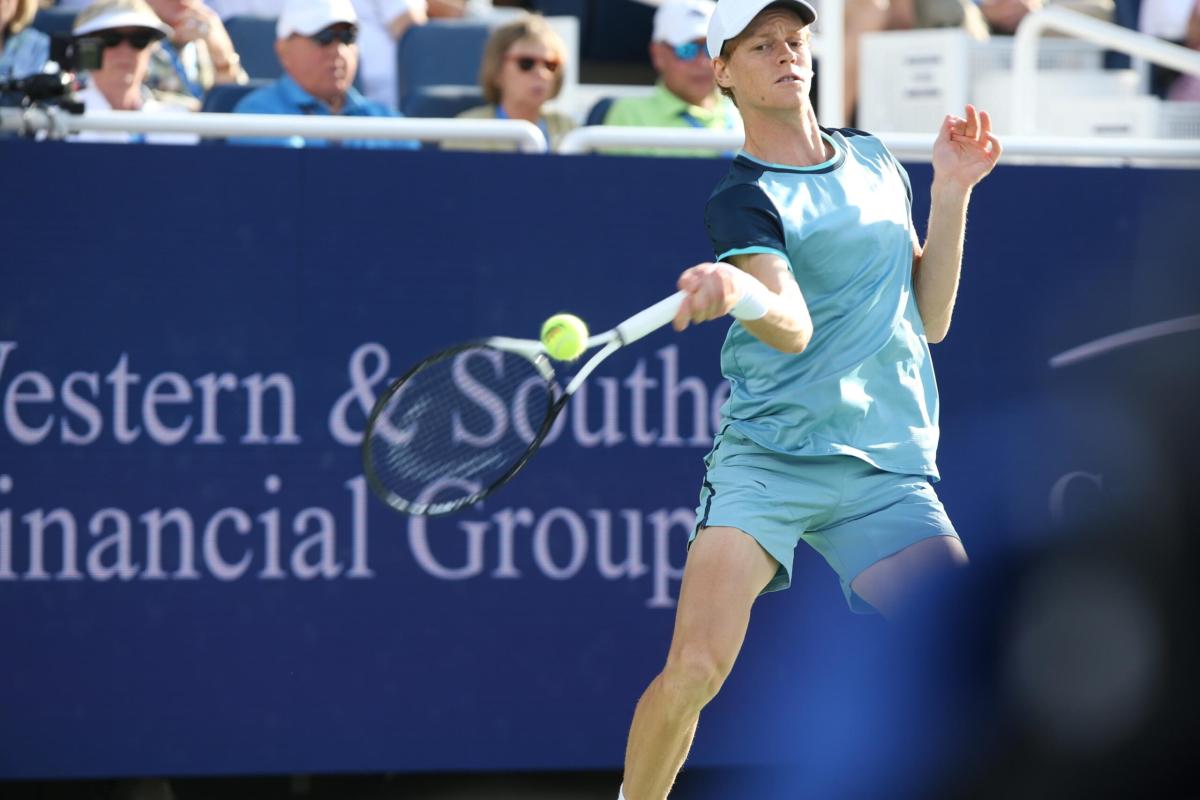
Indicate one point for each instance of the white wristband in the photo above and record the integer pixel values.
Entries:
(754, 299)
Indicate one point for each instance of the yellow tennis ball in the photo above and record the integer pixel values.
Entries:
(564, 336)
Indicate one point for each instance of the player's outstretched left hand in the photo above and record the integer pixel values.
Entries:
(966, 150)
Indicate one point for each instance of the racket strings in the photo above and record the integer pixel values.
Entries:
(457, 426)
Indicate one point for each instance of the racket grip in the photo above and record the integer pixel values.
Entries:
(651, 319)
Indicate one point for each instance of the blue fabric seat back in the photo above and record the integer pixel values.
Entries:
(620, 30)
(224, 96)
(254, 40)
(599, 111)
(569, 8)
(443, 101)
(54, 20)
(441, 53)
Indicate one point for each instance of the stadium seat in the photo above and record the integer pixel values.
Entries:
(51, 20)
(254, 40)
(443, 101)
(619, 30)
(444, 54)
(224, 96)
(599, 111)
(568, 8)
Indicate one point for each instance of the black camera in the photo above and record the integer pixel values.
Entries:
(71, 54)
(76, 53)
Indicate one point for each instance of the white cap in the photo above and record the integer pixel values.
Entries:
(119, 15)
(681, 21)
(732, 17)
(307, 17)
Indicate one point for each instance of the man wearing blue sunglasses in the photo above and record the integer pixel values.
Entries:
(686, 94)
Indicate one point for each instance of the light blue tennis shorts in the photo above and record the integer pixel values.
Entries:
(849, 511)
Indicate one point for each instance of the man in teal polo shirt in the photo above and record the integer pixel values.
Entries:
(686, 95)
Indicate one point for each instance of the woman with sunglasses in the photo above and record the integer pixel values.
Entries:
(522, 70)
(128, 31)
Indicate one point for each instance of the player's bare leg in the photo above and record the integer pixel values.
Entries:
(886, 584)
(725, 571)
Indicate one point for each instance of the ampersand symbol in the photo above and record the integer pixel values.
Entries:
(362, 391)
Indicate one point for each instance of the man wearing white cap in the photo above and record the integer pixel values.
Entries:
(316, 44)
(128, 31)
(686, 95)
(830, 432)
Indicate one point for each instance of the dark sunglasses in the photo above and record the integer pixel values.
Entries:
(331, 35)
(138, 41)
(527, 63)
(688, 50)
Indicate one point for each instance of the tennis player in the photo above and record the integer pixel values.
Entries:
(831, 427)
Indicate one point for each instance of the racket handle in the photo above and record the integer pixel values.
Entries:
(651, 319)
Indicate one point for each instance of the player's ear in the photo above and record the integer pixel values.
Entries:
(721, 72)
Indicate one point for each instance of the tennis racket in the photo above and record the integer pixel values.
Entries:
(463, 422)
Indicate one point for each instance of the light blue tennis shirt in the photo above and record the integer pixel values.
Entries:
(864, 386)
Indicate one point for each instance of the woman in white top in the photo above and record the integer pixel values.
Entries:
(127, 30)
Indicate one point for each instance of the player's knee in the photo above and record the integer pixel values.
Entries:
(693, 676)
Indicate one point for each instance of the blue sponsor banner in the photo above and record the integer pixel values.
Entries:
(195, 579)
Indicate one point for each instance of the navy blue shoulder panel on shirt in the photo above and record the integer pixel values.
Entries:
(739, 216)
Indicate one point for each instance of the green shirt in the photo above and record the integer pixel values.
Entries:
(663, 109)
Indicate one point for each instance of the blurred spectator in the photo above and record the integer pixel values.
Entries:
(1177, 21)
(965, 14)
(522, 70)
(246, 8)
(381, 24)
(316, 44)
(980, 18)
(686, 94)
(129, 31)
(449, 9)
(1003, 16)
(1187, 87)
(197, 56)
(23, 50)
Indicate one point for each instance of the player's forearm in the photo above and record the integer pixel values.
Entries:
(757, 290)
(937, 270)
(787, 326)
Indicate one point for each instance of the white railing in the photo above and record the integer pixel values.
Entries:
(906, 146)
(600, 137)
(1105, 34)
(526, 136)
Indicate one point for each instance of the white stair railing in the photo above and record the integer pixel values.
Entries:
(1081, 26)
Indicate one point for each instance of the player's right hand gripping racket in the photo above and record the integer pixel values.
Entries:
(460, 424)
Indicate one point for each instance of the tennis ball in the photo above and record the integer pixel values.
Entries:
(564, 336)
